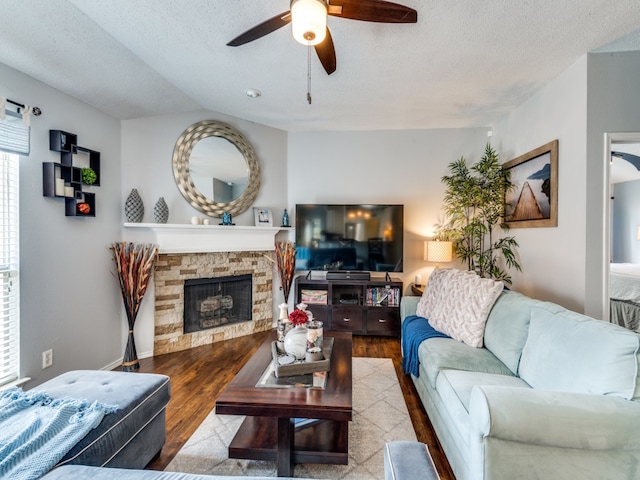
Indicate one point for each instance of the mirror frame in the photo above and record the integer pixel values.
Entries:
(180, 162)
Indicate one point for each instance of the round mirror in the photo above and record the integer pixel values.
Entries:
(216, 168)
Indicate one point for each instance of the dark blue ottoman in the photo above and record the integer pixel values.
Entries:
(133, 435)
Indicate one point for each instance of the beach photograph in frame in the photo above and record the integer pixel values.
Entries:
(533, 199)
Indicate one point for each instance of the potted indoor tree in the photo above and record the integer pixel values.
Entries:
(474, 207)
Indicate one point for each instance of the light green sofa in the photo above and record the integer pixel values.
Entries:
(552, 395)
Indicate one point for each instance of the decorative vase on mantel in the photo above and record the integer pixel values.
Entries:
(161, 211)
(133, 207)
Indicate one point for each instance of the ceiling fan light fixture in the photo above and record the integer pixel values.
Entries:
(309, 21)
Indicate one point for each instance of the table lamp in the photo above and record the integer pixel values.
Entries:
(437, 251)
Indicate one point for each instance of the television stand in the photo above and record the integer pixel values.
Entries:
(360, 306)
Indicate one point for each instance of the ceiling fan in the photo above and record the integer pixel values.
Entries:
(309, 22)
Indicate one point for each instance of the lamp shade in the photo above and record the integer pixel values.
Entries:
(638, 235)
(309, 21)
(435, 251)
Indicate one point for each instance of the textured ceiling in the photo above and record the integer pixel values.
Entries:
(464, 64)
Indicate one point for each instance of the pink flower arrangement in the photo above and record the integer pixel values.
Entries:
(298, 317)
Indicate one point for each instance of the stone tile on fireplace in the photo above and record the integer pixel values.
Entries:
(171, 272)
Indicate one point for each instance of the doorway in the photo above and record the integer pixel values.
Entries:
(621, 258)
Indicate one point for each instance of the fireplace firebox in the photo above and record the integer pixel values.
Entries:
(214, 302)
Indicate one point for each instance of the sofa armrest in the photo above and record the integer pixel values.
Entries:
(408, 305)
(402, 460)
(558, 419)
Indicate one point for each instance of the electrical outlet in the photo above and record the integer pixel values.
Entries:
(47, 358)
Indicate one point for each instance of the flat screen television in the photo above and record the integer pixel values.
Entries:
(363, 237)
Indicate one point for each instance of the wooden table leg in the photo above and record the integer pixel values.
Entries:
(285, 447)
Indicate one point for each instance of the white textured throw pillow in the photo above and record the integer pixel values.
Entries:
(458, 303)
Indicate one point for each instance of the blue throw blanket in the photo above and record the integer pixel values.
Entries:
(415, 330)
(36, 431)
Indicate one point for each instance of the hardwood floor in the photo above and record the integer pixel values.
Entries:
(198, 375)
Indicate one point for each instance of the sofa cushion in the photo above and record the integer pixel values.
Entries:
(460, 384)
(437, 354)
(508, 326)
(458, 302)
(454, 388)
(569, 352)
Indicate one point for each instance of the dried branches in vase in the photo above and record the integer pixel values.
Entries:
(285, 260)
(134, 266)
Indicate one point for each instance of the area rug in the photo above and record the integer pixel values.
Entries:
(379, 415)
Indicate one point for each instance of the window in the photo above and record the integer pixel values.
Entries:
(9, 264)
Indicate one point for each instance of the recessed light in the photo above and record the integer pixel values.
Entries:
(253, 93)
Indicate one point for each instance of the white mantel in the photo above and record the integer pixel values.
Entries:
(187, 238)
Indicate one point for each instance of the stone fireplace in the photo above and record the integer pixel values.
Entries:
(174, 270)
(215, 302)
(189, 252)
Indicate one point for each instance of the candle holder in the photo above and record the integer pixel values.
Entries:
(314, 341)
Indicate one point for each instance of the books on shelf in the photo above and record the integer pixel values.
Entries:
(383, 296)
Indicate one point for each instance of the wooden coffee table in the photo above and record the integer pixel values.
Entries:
(269, 432)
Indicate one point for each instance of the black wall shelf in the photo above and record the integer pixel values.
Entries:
(64, 179)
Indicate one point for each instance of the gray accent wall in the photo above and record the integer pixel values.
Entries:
(70, 302)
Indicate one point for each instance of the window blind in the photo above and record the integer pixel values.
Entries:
(14, 135)
(9, 264)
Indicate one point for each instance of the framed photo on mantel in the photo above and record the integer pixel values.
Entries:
(533, 200)
(263, 217)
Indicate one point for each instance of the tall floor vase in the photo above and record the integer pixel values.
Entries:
(130, 361)
(134, 266)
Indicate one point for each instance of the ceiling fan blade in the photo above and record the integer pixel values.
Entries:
(629, 157)
(261, 29)
(327, 53)
(372, 11)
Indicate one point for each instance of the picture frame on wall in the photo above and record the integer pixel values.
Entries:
(533, 199)
(263, 217)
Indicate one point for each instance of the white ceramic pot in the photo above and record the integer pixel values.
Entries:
(295, 342)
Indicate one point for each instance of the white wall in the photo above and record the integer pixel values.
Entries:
(69, 299)
(553, 258)
(596, 95)
(382, 167)
(147, 149)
